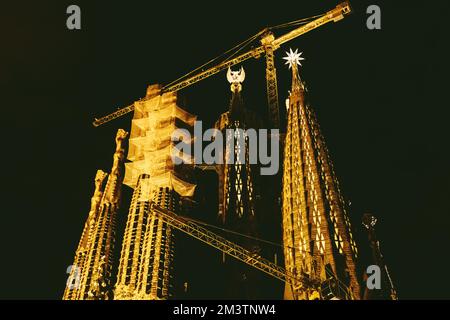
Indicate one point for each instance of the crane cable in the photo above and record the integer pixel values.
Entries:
(234, 232)
(239, 47)
(297, 22)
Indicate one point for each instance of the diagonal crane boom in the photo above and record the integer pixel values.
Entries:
(232, 249)
(319, 289)
(268, 45)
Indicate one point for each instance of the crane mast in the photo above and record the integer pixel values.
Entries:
(268, 45)
(271, 80)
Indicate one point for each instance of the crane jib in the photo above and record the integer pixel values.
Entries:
(335, 15)
(255, 53)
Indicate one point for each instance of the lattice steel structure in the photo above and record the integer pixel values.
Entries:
(317, 236)
(90, 275)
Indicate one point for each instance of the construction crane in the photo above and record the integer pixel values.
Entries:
(330, 289)
(268, 45)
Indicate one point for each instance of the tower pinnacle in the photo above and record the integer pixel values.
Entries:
(236, 78)
(293, 59)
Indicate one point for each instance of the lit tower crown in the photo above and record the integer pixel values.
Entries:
(316, 229)
(293, 59)
(235, 78)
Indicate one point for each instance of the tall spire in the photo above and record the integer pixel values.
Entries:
(237, 204)
(235, 78)
(238, 191)
(73, 287)
(316, 229)
(94, 256)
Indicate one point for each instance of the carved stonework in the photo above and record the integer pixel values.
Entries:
(94, 255)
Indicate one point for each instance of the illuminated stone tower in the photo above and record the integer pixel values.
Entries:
(237, 204)
(236, 195)
(148, 244)
(90, 274)
(317, 236)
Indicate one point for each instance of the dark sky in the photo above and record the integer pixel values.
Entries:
(380, 96)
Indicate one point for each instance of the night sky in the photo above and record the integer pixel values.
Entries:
(380, 97)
